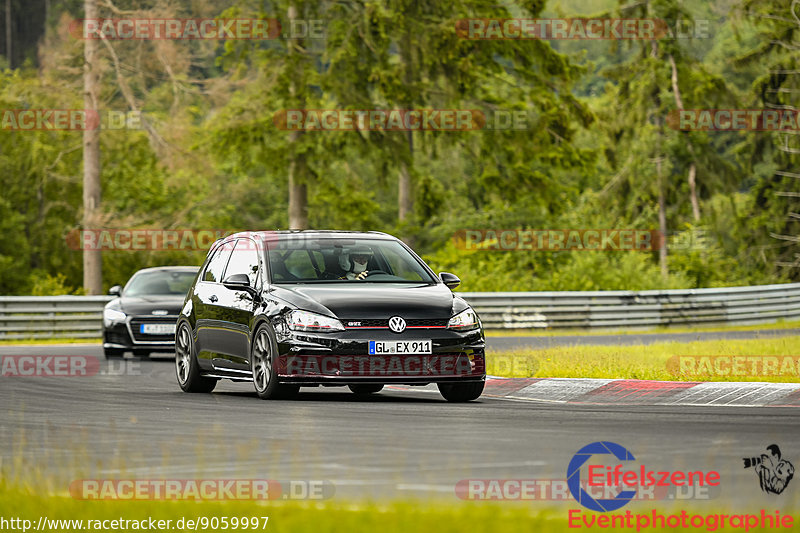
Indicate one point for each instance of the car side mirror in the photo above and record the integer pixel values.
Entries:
(116, 290)
(451, 280)
(237, 282)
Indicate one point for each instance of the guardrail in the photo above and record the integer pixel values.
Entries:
(637, 309)
(41, 317)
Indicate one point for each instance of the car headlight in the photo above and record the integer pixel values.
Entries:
(306, 321)
(112, 316)
(466, 320)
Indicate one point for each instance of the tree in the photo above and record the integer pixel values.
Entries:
(92, 259)
(646, 155)
(773, 158)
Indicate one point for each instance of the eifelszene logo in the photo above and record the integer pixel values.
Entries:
(611, 478)
(574, 476)
(774, 473)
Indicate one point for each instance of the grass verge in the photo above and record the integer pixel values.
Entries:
(534, 332)
(652, 361)
(300, 517)
(296, 517)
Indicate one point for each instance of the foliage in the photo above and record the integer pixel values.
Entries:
(211, 156)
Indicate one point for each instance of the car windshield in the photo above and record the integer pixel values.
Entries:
(160, 282)
(303, 259)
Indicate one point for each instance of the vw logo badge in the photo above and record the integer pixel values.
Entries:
(397, 324)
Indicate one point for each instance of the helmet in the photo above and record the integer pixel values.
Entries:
(356, 259)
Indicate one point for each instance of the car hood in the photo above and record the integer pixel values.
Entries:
(373, 300)
(145, 305)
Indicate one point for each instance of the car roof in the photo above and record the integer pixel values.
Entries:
(181, 268)
(342, 234)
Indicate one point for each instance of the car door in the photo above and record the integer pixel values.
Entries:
(209, 307)
(236, 308)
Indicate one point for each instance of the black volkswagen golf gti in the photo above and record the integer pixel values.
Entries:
(326, 308)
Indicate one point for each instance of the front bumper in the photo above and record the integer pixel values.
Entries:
(343, 358)
(120, 335)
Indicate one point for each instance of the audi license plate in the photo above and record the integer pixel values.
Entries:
(157, 329)
(399, 347)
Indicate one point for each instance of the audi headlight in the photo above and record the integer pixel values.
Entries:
(112, 316)
(307, 321)
(466, 320)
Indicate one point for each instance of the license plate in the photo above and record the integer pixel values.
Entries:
(399, 347)
(157, 329)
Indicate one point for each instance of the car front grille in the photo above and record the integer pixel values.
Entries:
(383, 323)
(135, 328)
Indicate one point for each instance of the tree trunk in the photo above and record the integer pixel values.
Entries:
(693, 167)
(405, 185)
(662, 221)
(8, 34)
(92, 259)
(693, 192)
(405, 198)
(298, 189)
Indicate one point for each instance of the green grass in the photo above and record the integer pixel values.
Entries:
(650, 361)
(330, 516)
(296, 517)
(538, 332)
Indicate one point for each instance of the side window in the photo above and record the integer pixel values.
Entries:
(300, 264)
(217, 264)
(244, 261)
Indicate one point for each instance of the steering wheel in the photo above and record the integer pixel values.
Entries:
(368, 273)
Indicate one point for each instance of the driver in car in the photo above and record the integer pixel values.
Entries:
(354, 263)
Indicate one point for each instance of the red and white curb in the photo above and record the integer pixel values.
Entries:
(637, 392)
(640, 392)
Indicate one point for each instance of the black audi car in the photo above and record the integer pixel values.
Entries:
(142, 317)
(293, 309)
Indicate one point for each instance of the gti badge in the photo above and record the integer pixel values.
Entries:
(160, 312)
(397, 324)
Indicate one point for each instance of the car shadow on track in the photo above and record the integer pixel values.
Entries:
(343, 397)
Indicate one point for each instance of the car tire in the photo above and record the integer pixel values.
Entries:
(187, 369)
(113, 353)
(263, 355)
(461, 392)
(365, 388)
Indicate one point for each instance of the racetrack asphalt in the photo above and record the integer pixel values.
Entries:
(130, 420)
